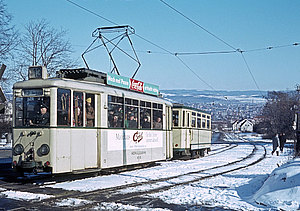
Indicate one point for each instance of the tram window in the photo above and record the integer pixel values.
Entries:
(143, 104)
(131, 117)
(77, 109)
(198, 122)
(19, 111)
(193, 121)
(128, 101)
(203, 123)
(198, 115)
(208, 117)
(160, 106)
(175, 118)
(135, 102)
(157, 119)
(90, 110)
(63, 107)
(115, 112)
(203, 116)
(194, 113)
(208, 124)
(145, 114)
(33, 111)
(148, 104)
(154, 105)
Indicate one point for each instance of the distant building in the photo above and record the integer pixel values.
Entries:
(244, 125)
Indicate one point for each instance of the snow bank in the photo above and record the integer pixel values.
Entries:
(282, 188)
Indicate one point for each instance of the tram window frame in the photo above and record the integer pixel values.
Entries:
(157, 114)
(198, 122)
(78, 122)
(175, 117)
(193, 123)
(19, 111)
(30, 114)
(203, 123)
(131, 114)
(63, 114)
(207, 123)
(143, 115)
(115, 116)
(89, 110)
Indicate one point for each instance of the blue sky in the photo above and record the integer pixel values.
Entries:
(242, 24)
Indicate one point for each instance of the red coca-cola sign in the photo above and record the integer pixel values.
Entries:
(136, 85)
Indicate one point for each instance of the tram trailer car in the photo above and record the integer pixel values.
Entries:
(84, 120)
(191, 131)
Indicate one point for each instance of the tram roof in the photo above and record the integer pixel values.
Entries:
(182, 106)
(88, 86)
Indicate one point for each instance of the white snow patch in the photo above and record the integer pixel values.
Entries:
(18, 195)
(72, 202)
(282, 188)
(119, 206)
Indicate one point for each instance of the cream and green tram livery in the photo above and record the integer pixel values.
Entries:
(191, 131)
(83, 120)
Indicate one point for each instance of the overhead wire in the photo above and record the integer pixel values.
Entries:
(215, 36)
(198, 25)
(152, 43)
(177, 54)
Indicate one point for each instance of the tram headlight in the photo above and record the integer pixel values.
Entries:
(44, 150)
(18, 149)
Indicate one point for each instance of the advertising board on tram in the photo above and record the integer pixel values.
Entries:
(119, 140)
(131, 84)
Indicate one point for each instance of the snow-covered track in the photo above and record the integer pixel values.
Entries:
(135, 190)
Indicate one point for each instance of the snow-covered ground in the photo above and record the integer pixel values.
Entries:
(273, 183)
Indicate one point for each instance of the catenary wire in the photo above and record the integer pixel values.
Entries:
(77, 5)
(198, 25)
(169, 52)
(215, 36)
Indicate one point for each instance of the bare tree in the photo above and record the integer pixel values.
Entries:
(8, 34)
(279, 112)
(46, 46)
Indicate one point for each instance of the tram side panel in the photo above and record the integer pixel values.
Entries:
(128, 147)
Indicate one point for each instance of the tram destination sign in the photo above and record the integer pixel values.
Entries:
(132, 84)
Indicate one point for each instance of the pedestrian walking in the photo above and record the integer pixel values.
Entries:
(282, 140)
(275, 142)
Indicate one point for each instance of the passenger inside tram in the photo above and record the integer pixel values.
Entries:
(90, 113)
(157, 124)
(146, 122)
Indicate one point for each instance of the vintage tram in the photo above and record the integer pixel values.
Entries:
(84, 119)
(191, 131)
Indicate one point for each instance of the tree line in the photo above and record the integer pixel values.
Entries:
(38, 44)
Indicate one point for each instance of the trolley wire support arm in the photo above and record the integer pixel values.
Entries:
(114, 42)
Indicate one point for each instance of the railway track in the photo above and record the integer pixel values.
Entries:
(131, 192)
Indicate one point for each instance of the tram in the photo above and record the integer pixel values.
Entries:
(191, 131)
(84, 119)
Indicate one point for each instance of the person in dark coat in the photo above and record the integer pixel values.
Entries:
(43, 118)
(275, 142)
(282, 140)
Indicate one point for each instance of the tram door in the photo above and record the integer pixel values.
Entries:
(169, 144)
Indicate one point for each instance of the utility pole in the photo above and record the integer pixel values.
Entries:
(297, 122)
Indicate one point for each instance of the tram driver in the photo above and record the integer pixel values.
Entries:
(43, 117)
